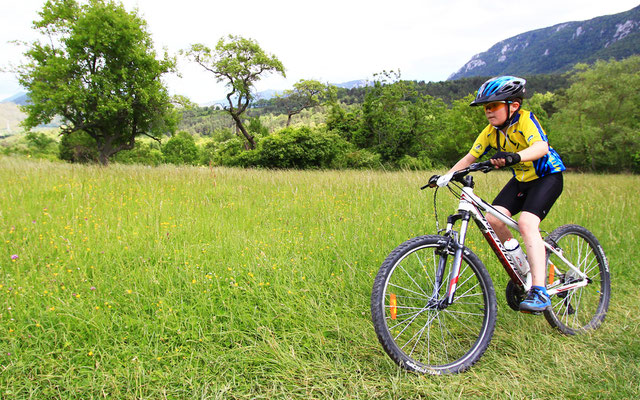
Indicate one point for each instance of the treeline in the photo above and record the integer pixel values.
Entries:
(589, 115)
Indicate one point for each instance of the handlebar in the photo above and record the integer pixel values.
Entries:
(484, 166)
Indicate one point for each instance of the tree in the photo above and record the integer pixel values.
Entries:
(98, 70)
(305, 94)
(396, 119)
(597, 122)
(240, 63)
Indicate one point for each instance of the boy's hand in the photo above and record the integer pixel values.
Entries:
(433, 181)
(505, 159)
(444, 179)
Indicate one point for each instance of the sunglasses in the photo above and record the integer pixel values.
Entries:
(494, 105)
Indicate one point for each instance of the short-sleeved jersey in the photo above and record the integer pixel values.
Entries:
(522, 133)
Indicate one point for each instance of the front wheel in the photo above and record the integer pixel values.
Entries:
(583, 308)
(415, 326)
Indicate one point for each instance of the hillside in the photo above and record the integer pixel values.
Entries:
(20, 99)
(559, 47)
(10, 118)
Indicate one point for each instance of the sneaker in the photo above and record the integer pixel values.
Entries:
(535, 302)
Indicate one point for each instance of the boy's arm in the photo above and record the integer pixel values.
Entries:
(443, 180)
(535, 151)
(463, 163)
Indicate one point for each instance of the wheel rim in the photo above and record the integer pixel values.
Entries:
(579, 308)
(425, 333)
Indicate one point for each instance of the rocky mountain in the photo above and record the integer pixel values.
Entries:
(559, 47)
(353, 84)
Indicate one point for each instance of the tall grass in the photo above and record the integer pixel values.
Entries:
(137, 282)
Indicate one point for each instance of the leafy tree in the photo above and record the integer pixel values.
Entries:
(397, 120)
(256, 127)
(239, 62)
(453, 131)
(97, 69)
(305, 94)
(597, 124)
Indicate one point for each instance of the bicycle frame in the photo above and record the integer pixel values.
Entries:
(472, 206)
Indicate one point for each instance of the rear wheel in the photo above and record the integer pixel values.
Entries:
(583, 308)
(417, 330)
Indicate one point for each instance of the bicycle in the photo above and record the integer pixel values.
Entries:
(433, 303)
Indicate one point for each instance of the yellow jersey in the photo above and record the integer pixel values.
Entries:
(524, 130)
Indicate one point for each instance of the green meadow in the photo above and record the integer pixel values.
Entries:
(132, 282)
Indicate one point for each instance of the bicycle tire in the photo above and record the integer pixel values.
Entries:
(581, 309)
(425, 339)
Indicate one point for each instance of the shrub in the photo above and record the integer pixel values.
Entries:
(231, 153)
(181, 149)
(300, 148)
(78, 147)
(142, 153)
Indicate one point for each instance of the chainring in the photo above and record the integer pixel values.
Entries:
(515, 295)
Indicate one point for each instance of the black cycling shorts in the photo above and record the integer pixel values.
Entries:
(536, 196)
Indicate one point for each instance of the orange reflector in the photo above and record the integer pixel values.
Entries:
(552, 273)
(394, 306)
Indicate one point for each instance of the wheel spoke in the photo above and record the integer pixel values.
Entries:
(410, 314)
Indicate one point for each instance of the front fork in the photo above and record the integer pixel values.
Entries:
(455, 246)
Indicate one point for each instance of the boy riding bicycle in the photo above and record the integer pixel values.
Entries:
(537, 182)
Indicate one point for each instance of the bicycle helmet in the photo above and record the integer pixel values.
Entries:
(502, 88)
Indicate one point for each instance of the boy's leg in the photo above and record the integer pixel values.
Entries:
(537, 300)
(499, 227)
(529, 229)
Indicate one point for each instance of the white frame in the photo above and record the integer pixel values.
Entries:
(473, 204)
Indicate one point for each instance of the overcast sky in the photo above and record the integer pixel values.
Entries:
(331, 41)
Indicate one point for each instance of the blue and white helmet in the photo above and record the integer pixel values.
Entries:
(502, 88)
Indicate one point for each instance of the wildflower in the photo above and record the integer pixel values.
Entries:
(14, 257)
(93, 288)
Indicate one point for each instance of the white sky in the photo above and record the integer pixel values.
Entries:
(331, 41)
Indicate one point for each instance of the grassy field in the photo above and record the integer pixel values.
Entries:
(197, 283)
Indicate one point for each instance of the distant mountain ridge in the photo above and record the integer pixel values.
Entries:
(559, 47)
(20, 99)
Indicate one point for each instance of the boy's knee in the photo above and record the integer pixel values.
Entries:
(528, 223)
